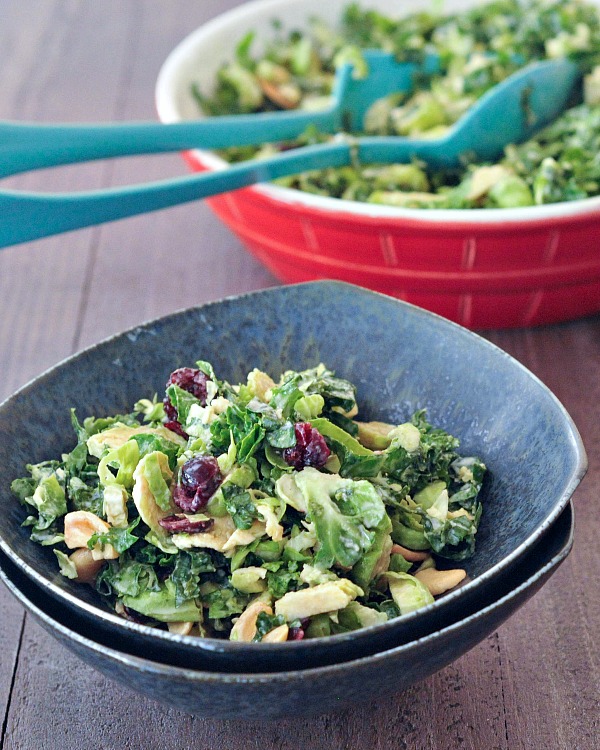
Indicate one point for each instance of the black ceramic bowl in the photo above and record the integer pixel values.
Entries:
(401, 358)
(301, 692)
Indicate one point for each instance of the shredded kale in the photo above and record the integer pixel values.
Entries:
(265, 623)
(224, 603)
(174, 510)
(120, 539)
(239, 505)
(148, 443)
(126, 577)
(476, 49)
(187, 571)
(282, 577)
(244, 426)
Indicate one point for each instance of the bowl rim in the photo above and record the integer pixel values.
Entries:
(215, 645)
(202, 676)
(328, 207)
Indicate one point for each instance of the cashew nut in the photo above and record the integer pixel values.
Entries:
(286, 95)
(245, 627)
(277, 635)
(87, 567)
(410, 554)
(80, 526)
(180, 628)
(439, 581)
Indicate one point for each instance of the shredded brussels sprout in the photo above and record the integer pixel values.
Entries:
(477, 49)
(287, 518)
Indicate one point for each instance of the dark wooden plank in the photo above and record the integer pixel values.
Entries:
(42, 284)
(550, 670)
(39, 284)
(151, 265)
(551, 663)
(96, 712)
(92, 707)
(468, 701)
(13, 621)
(533, 684)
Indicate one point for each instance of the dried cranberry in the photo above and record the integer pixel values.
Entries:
(310, 449)
(199, 479)
(199, 473)
(170, 410)
(178, 524)
(175, 426)
(295, 634)
(191, 380)
(182, 498)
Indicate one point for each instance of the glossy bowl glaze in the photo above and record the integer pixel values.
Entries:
(301, 692)
(401, 358)
(488, 268)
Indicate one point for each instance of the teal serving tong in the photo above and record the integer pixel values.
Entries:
(27, 146)
(510, 112)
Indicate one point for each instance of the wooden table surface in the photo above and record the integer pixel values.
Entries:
(533, 684)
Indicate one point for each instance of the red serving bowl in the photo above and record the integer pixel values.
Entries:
(483, 268)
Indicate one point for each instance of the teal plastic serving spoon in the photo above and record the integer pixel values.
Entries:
(27, 146)
(510, 112)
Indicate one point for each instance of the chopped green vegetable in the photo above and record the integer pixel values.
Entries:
(120, 539)
(408, 592)
(273, 502)
(477, 49)
(67, 567)
(265, 623)
(162, 605)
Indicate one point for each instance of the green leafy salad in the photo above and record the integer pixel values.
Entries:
(263, 511)
(477, 48)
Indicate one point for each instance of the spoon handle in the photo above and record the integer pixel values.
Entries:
(437, 153)
(26, 146)
(29, 216)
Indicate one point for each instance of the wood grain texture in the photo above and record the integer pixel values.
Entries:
(429, 716)
(555, 636)
(533, 684)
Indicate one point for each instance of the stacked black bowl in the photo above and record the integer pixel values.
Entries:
(401, 358)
